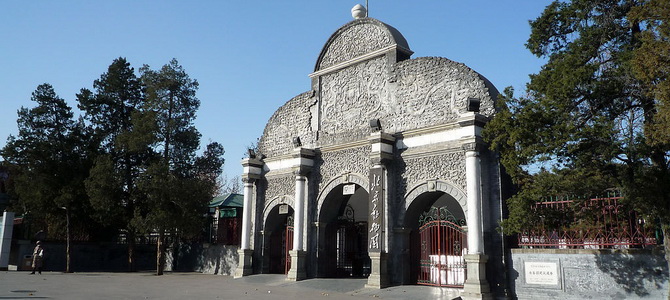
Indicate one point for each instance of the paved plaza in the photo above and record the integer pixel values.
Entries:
(56, 285)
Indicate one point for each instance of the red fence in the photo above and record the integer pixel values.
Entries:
(287, 247)
(229, 231)
(594, 223)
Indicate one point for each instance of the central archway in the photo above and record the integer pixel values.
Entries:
(343, 250)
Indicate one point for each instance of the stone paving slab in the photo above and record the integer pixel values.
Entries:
(56, 285)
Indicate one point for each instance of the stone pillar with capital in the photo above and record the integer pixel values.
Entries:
(476, 286)
(303, 163)
(473, 174)
(253, 169)
(379, 222)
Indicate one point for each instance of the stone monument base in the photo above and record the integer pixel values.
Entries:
(297, 271)
(244, 267)
(476, 286)
(378, 278)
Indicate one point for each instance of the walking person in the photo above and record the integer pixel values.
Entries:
(38, 255)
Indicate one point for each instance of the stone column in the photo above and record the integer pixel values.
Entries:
(6, 228)
(303, 163)
(246, 214)
(298, 223)
(298, 255)
(476, 285)
(253, 169)
(474, 200)
(379, 232)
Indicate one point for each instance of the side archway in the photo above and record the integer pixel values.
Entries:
(277, 237)
(285, 199)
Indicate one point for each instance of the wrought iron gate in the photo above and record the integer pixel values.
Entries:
(352, 256)
(442, 243)
(353, 259)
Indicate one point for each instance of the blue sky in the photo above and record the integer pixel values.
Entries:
(249, 57)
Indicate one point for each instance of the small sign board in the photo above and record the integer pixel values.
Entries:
(349, 189)
(283, 209)
(544, 273)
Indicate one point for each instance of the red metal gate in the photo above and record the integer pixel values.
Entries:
(288, 246)
(442, 243)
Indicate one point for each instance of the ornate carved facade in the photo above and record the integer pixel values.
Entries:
(379, 142)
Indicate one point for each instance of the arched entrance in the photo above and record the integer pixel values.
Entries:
(279, 239)
(343, 251)
(437, 240)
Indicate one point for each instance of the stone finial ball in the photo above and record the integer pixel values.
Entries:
(358, 11)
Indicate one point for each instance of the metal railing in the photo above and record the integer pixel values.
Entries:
(594, 223)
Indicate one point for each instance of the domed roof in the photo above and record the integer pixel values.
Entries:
(357, 38)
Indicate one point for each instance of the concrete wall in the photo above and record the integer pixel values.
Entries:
(588, 274)
(101, 257)
(205, 258)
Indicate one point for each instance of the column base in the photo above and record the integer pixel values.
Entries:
(476, 286)
(378, 278)
(298, 262)
(244, 266)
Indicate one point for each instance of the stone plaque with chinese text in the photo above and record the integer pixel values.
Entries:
(545, 273)
(376, 209)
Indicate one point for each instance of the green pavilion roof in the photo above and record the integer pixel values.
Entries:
(228, 200)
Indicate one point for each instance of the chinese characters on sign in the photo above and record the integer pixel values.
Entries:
(349, 189)
(545, 273)
(376, 220)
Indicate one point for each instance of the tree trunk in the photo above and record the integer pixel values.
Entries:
(130, 238)
(666, 246)
(130, 210)
(68, 249)
(160, 252)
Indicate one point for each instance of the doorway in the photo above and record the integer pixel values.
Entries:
(343, 249)
(279, 229)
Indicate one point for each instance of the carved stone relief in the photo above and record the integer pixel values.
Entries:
(351, 97)
(293, 119)
(353, 160)
(280, 186)
(423, 92)
(450, 166)
(433, 90)
(357, 40)
(418, 93)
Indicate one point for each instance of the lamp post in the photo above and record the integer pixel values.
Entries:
(67, 249)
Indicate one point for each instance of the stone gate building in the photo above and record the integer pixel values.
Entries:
(378, 171)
